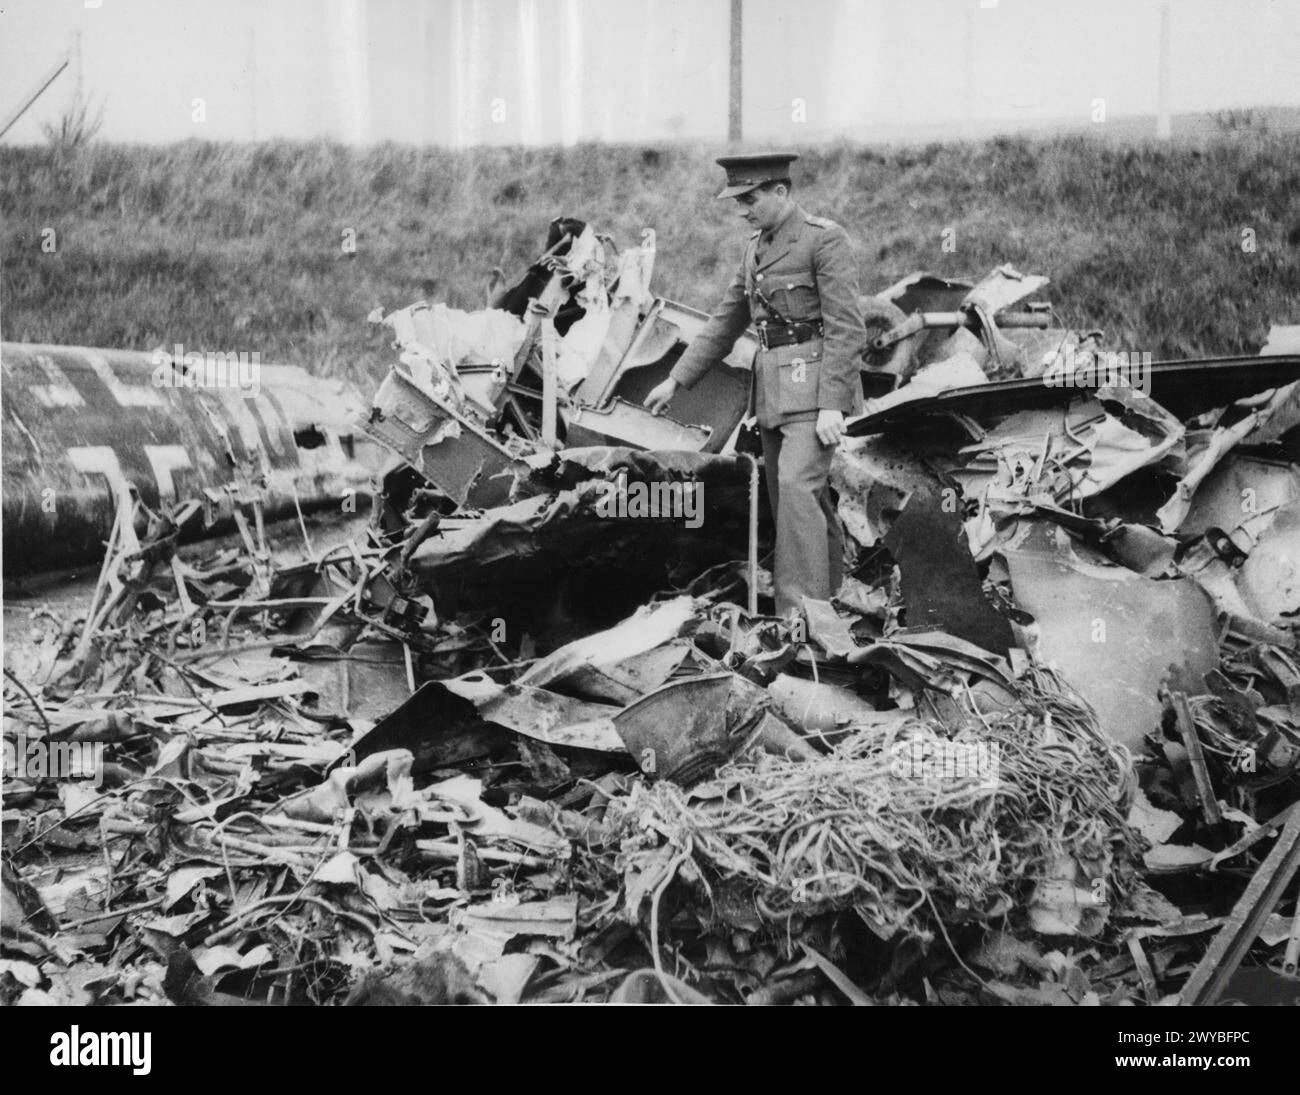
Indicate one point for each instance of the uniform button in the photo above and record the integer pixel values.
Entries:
(790, 286)
(759, 277)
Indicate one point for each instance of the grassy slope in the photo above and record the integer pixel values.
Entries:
(238, 247)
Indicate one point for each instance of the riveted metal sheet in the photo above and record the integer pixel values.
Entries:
(81, 426)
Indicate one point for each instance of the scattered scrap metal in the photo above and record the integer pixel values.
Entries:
(509, 744)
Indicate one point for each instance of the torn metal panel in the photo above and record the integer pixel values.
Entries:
(717, 403)
(649, 627)
(1057, 457)
(570, 521)
(645, 672)
(1136, 546)
(823, 708)
(573, 466)
(437, 726)
(1003, 287)
(626, 325)
(933, 659)
(1281, 422)
(1091, 446)
(499, 533)
(541, 714)
(683, 731)
(1140, 548)
(1184, 388)
(1269, 579)
(1285, 414)
(488, 822)
(827, 628)
(1204, 563)
(441, 346)
(1241, 496)
(366, 681)
(1116, 636)
(631, 678)
(873, 478)
(956, 370)
(452, 452)
(624, 423)
(941, 586)
(1205, 448)
(1135, 433)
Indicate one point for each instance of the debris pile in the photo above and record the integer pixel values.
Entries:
(528, 735)
(855, 829)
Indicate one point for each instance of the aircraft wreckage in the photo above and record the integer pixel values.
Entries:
(532, 695)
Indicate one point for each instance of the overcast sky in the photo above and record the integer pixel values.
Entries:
(462, 72)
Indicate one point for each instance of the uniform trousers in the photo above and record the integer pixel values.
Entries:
(809, 541)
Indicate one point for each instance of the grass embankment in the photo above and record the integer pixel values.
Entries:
(240, 247)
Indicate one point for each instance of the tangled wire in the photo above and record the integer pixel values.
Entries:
(906, 817)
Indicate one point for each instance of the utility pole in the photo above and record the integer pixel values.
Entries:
(1163, 125)
(968, 73)
(252, 81)
(734, 127)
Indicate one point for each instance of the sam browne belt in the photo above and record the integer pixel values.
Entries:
(772, 335)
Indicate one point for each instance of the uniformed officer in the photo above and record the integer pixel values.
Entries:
(798, 285)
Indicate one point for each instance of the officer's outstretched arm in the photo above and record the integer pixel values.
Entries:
(719, 335)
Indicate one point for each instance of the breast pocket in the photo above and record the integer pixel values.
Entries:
(798, 370)
(795, 294)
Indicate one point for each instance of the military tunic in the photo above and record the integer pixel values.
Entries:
(803, 271)
(806, 271)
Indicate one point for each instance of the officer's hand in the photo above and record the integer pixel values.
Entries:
(830, 426)
(661, 395)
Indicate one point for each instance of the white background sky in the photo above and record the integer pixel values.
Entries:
(635, 70)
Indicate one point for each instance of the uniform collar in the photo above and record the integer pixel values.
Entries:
(784, 235)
